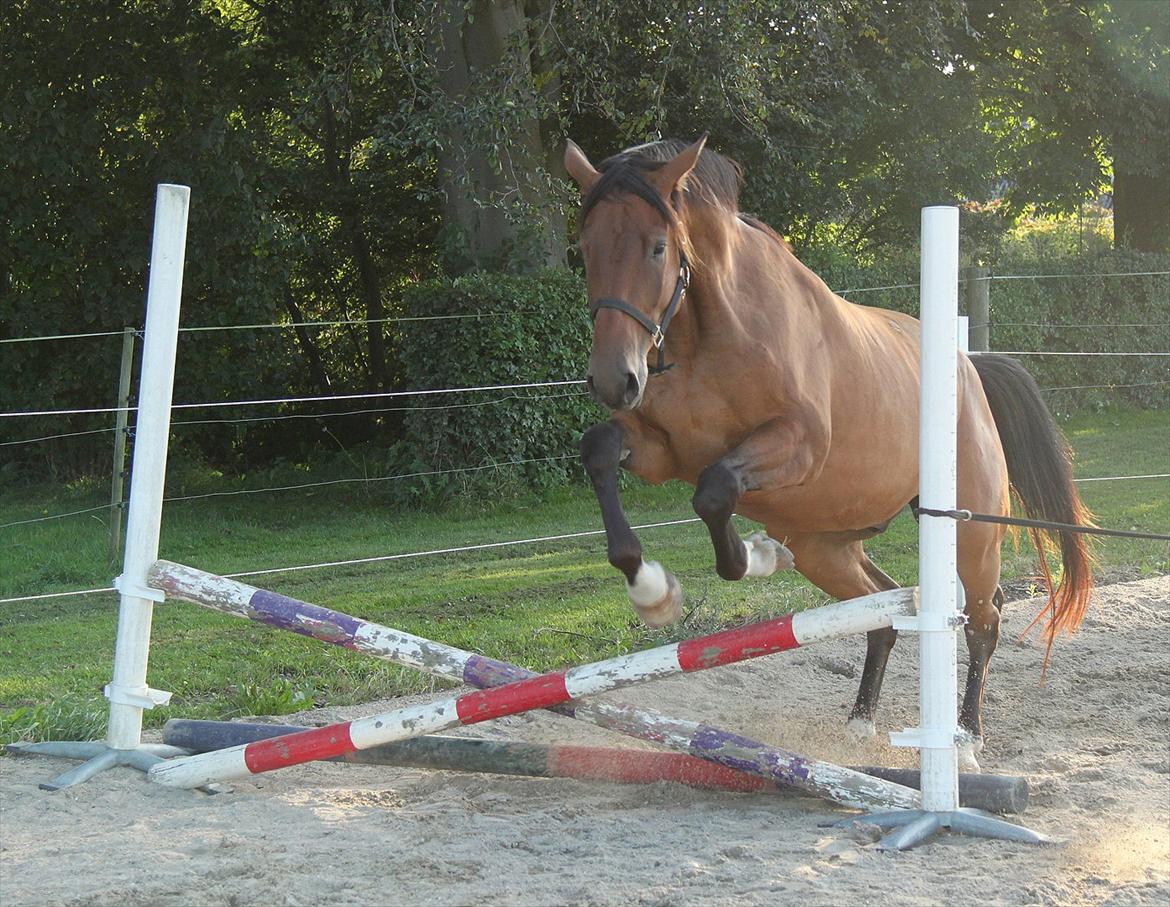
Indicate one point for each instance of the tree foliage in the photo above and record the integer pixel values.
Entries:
(339, 152)
(1076, 96)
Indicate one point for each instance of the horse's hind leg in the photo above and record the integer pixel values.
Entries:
(878, 645)
(982, 488)
(841, 568)
(979, 570)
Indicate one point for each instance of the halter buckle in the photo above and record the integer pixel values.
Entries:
(658, 338)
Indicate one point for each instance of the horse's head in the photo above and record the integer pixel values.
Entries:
(632, 240)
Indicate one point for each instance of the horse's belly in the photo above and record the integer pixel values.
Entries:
(829, 506)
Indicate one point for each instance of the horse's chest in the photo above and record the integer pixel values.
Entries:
(695, 428)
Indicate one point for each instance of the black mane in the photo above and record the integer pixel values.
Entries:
(715, 179)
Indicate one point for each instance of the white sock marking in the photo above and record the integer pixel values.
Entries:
(649, 585)
(763, 555)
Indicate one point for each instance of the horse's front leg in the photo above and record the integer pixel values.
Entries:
(769, 458)
(654, 592)
(719, 488)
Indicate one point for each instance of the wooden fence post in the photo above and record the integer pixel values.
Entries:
(117, 485)
(977, 283)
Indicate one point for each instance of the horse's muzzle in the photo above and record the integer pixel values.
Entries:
(620, 392)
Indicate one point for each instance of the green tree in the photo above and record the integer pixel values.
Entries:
(1078, 96)
(99, 102)
(339, 152)
(354, 209)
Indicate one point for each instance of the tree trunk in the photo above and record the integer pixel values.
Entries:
(312, 355)
(1141, 207)
(497, 211)
(349, 212)
(545, 74)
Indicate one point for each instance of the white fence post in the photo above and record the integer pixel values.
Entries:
(938, 450)
(940, 612)
(128, 692)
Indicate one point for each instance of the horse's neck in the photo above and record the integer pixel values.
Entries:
(746, 276)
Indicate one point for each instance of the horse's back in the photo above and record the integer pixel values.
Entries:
(870, 468)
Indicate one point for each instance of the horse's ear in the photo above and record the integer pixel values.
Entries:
(675, 171)
(579, 168)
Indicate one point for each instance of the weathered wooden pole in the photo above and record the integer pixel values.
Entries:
(118, 479)
(977, 291)
(997, 793)
(780, 634)
(698, 739)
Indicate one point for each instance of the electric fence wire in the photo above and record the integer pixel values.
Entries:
(462, 549)
(286, 416)
(272, 401)
(439, 391)
(278, 325)
(379, 558)
(368, 480)
(410, 318)
(1070, 353)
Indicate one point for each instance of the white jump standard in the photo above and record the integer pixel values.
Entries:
(128, 692)
(938, 735)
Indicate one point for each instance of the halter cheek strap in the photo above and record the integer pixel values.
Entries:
(657, 331)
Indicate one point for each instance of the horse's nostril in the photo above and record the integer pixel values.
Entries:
(631, 386)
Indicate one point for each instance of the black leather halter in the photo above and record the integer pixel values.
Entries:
(657, 331)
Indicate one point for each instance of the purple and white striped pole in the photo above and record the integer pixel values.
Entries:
(824, 779)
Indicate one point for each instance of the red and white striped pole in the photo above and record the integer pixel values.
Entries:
(721, 747)
(543, 691)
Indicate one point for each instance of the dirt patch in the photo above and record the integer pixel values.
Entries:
(1093, 741)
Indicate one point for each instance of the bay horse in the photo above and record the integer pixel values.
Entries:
(792, 407)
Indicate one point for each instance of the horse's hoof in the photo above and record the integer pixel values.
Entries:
(967, 760)
(656, 595)
(766, 556)
(967, 750)
(861, 728)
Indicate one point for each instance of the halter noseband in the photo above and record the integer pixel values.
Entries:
(657, 331)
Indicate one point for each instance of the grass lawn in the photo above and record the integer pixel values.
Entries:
(543, 605)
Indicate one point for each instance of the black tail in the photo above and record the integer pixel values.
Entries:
(1039, 463)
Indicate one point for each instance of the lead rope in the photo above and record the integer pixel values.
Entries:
(967, 515)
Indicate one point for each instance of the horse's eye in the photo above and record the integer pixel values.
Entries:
(659, 248)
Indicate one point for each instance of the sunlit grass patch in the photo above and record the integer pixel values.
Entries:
(543, 605)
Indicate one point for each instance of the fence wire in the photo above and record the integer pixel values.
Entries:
(380, 558)
(445, 391)
(273, 401)
(484, 546)
(286, 325)
(1068, 353)
(282, 417)
(277, 325)
(366, 480)
(381, 395)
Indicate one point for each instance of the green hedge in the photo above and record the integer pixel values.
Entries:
(1088, 312)
(517, 330)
